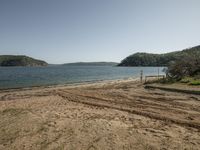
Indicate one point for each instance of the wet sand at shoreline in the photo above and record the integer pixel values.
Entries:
(118, 114)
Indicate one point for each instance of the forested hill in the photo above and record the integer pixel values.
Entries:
(20, 60)
(148, 59)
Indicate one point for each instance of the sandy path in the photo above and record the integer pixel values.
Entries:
(107, 115)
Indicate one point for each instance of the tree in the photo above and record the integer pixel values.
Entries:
(187, 65)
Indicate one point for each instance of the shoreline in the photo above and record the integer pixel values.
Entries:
(84, 83)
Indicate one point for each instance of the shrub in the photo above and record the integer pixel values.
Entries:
(195, 82)
(188, 65)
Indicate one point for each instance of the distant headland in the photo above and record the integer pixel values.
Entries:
(92, 64)
(148, 59)
(137, 59)
(20, 60)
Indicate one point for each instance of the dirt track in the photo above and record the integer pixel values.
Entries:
(113, 115)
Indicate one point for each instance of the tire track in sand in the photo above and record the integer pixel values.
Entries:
(105, 103)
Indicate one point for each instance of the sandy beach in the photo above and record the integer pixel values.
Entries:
(119, 114)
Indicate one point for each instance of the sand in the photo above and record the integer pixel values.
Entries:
(118, 114)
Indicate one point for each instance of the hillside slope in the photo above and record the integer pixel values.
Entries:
(20, 60)
(148, 59)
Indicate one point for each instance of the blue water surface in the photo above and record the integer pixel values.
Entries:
(15, 77)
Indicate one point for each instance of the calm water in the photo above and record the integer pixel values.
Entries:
(13, 77)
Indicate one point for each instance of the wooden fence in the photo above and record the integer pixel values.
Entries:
(155, 77)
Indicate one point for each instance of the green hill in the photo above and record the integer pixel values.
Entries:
(92, 64)
(20, 60)
(148, 59)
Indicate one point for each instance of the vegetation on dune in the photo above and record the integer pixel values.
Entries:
(181, 69)
(186, 69)
(147, 59)
(13, 60)
(187, 66)
(182, 66)
(191, 80)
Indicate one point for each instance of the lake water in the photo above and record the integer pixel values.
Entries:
(14, 77)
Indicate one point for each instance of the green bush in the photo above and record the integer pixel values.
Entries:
(186, 80)
(186, 66)
(195, 82)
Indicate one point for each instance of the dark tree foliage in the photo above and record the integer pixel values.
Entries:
(188, 65)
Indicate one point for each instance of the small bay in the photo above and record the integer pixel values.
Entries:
(16, 77)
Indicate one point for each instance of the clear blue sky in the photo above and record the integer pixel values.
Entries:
(60, 31)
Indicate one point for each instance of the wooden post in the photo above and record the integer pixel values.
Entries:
(141, 75)
(158, 72)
